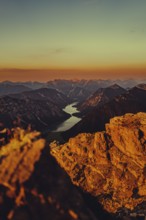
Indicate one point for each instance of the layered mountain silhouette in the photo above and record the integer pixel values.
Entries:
(69, 87)
(80, 90)
(30, 84)
(132, 101)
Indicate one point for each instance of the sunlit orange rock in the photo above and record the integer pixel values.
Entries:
(32, 184)
(110, 165)
(19, 157)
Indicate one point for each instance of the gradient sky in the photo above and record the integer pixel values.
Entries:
(93, 35)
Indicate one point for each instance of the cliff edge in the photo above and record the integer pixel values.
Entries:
(110, 165)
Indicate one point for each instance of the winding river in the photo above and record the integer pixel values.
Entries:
(70, 122)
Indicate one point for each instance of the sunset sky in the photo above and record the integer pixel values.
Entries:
(72, 38)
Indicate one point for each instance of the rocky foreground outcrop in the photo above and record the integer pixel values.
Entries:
(33, 186)
(110, 165)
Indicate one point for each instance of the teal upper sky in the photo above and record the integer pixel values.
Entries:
(72, 33)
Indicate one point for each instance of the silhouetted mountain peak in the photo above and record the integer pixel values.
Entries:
(115, 86)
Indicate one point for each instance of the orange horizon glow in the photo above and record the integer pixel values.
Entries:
(24, 74)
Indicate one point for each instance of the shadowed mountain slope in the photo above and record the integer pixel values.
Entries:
(100, 97)
(23, 112)
(44, 94)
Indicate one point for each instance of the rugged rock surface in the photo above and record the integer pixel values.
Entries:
(33, 186)
(110, 165)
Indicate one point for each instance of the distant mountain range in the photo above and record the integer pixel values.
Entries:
(79, 90)
(6, 89)
(31, 85)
